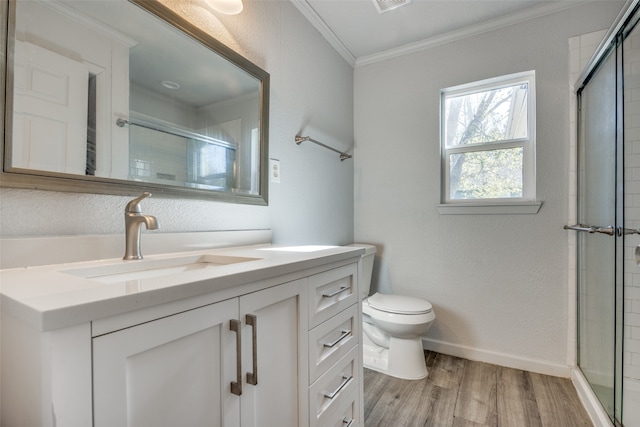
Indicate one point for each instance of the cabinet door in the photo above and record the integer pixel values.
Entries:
(175, 371)
(278, 397)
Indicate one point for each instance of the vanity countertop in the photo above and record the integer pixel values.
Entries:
(56, 296)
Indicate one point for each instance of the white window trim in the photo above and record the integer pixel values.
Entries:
(489, 208)
(521, 205)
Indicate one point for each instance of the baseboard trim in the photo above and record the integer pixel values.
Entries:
(589, 400)
(501, 359)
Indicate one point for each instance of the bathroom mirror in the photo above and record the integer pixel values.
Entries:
(119, 97)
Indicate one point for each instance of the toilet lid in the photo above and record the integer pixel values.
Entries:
(400, 304)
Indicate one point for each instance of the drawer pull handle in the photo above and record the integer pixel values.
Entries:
(340, 290)
(236, 386)
(345, 381)
(252, 320)
(345, 333)
(347, 421)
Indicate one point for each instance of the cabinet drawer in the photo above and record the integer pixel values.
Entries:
(344, 415)
(331, 292)
(331, 340)
(337, 384)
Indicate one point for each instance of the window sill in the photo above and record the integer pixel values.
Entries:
(489, 208)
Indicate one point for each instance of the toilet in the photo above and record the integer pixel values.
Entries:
(392, 326)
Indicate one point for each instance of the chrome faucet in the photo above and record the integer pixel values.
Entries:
(133, 220)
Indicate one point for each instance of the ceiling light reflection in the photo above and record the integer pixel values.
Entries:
(228, 7)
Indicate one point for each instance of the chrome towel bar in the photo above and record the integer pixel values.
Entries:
(301, 139)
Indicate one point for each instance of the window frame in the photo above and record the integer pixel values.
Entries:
(528, 199)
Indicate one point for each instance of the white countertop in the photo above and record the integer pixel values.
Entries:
(50, 297)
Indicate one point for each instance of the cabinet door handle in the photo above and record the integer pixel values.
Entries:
(336, 292)
(236, 386)
(345, 381)
(345, 334)
(347, 421)
(252, 320)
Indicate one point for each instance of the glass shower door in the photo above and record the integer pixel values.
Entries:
(600, 250)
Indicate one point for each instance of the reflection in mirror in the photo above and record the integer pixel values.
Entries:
(105, 91)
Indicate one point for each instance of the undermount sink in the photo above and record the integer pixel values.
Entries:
(145, 269)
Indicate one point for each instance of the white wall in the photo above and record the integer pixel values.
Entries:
(498, 283)
(311, 91)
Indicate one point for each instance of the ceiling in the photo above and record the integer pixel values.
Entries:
(362, 35)
(158, 53)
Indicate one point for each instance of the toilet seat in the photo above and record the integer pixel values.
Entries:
(399, 304)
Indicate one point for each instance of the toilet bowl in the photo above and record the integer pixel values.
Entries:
(393, 326)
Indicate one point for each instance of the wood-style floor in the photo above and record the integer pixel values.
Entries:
(463, 393)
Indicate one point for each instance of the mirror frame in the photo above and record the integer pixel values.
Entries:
(51, 181)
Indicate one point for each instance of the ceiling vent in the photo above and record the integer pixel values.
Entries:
(387, 5)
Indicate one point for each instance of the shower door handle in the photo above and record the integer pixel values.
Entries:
(592, 229)
(619, 231)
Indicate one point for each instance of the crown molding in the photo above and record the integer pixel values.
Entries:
(315, 20)
(515, 18)
(470, 31)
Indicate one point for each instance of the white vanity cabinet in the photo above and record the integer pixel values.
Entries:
(231, 363)
(270, 343)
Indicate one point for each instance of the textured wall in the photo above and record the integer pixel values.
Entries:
(498, 283)
(311, 92)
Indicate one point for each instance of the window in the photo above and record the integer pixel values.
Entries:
(488, 141)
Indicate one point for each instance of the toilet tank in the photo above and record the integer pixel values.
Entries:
(367, 267)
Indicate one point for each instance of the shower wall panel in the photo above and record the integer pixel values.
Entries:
(631, 358)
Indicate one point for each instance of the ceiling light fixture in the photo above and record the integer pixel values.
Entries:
(387, 5)
(228, 7)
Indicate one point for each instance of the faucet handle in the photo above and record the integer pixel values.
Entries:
(134, 205)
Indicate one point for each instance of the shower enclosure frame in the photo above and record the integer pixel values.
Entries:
(610, 52)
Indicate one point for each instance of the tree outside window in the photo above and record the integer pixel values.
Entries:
(487, 140)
